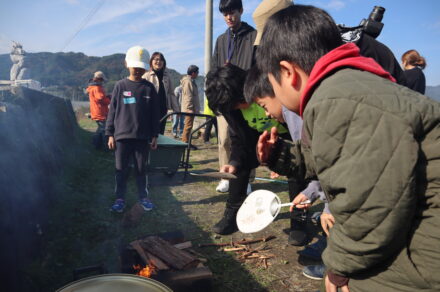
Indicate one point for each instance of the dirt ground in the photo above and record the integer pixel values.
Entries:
(82, 232)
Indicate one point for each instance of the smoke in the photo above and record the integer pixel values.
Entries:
(36, 130)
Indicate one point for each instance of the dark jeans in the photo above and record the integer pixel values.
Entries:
(208, 128)
(237, 189)
(164, 122)
(99, 139)
(125, 150)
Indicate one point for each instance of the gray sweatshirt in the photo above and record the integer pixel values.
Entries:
(313, 191)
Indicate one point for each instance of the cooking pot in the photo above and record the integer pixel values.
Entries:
(115, 283)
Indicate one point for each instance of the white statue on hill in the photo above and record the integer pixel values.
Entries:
(18, 56)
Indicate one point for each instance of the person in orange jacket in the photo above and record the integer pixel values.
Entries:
(99, 103)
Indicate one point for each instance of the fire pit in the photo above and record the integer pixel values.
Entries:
(172, 264)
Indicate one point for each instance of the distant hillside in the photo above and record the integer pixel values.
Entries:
(67, 74)
(433, 92)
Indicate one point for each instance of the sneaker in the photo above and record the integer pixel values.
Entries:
(118, 206)
(223, 186)
(315, 250)
(146, 204)
(315, 272)
(249, 189)
(193, 147)
(207, 143)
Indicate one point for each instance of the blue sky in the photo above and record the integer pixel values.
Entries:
(176, 27)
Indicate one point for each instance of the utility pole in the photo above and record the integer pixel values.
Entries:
(208, 35)
(208, 40)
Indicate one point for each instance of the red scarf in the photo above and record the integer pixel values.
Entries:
(346, 55)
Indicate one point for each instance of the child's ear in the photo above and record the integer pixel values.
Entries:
(289, 73)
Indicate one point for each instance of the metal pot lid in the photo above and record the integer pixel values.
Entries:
(115, 283)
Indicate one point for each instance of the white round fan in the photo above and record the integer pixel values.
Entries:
(259, 209)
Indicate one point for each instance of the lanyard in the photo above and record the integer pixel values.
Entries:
(230, 47)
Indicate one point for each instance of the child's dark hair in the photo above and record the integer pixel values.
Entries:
(224, 88)
(192, 69)
(230, 5)
(298, 34)
(256, 85)
(155, 54)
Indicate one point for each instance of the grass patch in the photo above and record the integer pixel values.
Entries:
(82, 232)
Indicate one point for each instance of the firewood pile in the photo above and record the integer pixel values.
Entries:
(172, 263)
(244, 252)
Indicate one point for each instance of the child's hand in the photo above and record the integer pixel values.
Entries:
(327, 222)
(298, 200)
(265, 144)
(153, 144)
(111, 143)
(228, 168)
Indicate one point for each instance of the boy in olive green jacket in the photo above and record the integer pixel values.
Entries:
(374, 146)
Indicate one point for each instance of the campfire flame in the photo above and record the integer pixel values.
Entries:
(145, 272)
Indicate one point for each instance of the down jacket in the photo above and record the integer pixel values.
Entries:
(375, 147)
(99, 102)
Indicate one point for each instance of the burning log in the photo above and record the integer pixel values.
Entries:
(179, 269)
(170, 255)
(148, 258)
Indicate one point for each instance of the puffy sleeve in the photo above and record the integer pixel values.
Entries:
(110, 122)
(365, 159)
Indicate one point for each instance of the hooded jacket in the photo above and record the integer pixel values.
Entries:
(190, 95)
(243, 49)
(374, 145)
(98, 101)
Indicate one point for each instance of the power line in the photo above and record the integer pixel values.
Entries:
(83, 23)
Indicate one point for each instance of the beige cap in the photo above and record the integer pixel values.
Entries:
(99, 74)
(266, 9)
